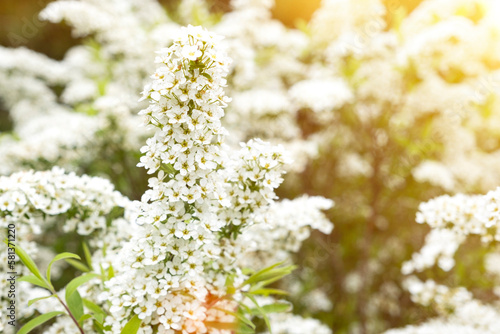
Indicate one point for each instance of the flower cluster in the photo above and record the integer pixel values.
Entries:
(453, 219)
(173, 272)
(291, 324)
(286, 225)
(35, 202)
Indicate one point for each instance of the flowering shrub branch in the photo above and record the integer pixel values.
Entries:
(183, 269)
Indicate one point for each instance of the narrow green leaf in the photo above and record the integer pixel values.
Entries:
(274, 308)
(99, 327)
(88, 255)
(247, 271)
(75, 304)
(59, 257)
(274, 275)
(34, 300)
(245, 330)
(111, 272)
(266, 292)
(247, 309)
(132, 326)
(260, 312)
(76, 282)
(33, 280)
(83, 318)
(269, 274)
(41, 319)
(78, 265)
(268, 268)
(28, 261)
(99, 314)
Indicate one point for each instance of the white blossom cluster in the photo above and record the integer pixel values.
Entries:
(35, 202)
(440, 296)
(26, 78)
(266, 64)
(99, 80)
(291, 324)
(227, 191)
(471, 317)
(452, 220)
(463, 214)
(439, 248)
(426, 65)
(45, 131)
(267, 68)
(285, 226)
(446, 42)
(173, 272)
(321, 95)
(439, 326)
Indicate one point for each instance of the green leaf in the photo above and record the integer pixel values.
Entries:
(75, 304)
(78, 265)
(266, 292)
(34, 300)
(111, 272)
(260, 311)
(245, 330)
(76, 282)
(83, 318)
(132, 326)
(41, 319)
(88, 256)
(248, 272)
(99, 314)
(269, 274)
(99, 327)
(34, 280)
(247, 309)
(59, 257)
(274, 308)
(28, 261)
(274, 276)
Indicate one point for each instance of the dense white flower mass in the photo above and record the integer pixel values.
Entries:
(173, 273)
(320, 95)
(111, 68)
(453, 219)
(35, 202)
(161, 277)
(439, 327)
(291, 324)
(286, 225)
